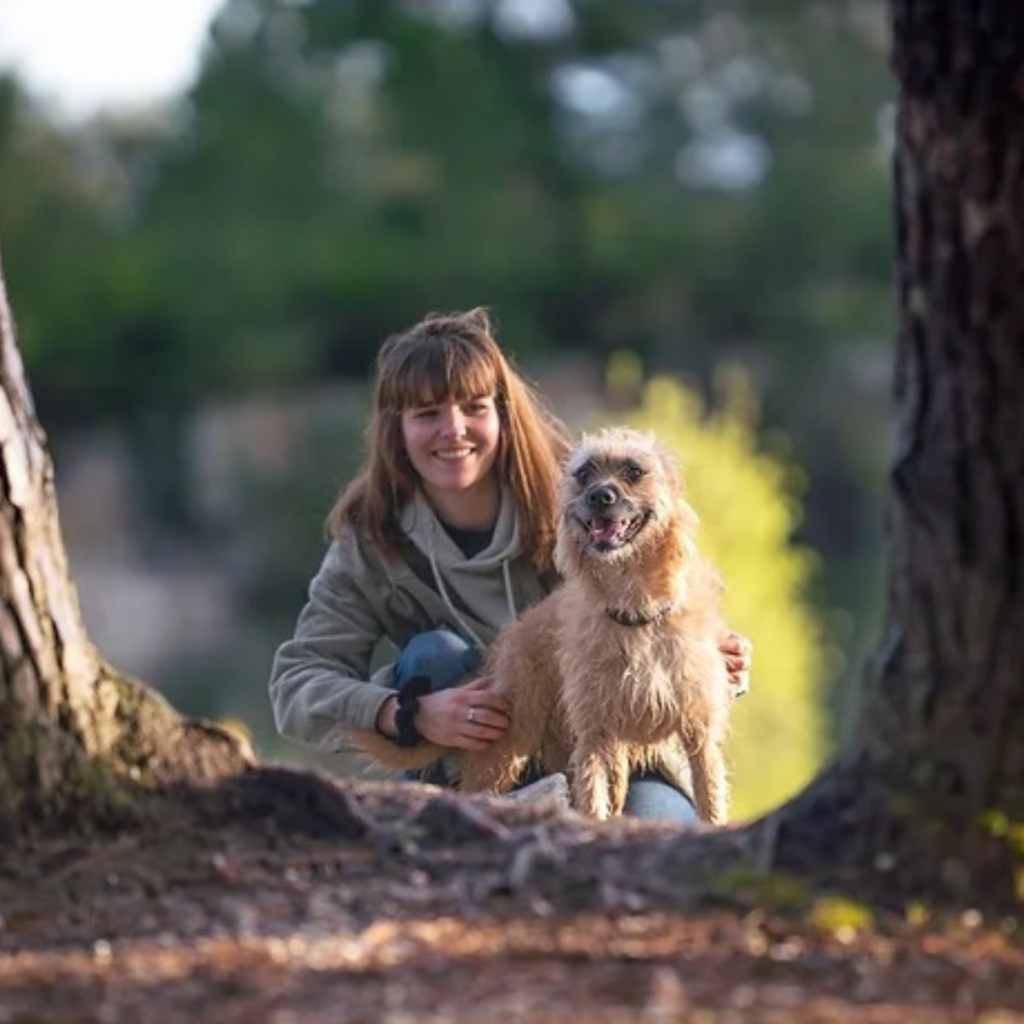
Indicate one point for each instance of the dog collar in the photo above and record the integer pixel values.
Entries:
(628, 618)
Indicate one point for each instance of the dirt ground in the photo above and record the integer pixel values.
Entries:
(274, 901)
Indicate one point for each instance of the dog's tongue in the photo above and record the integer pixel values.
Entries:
(606, 530)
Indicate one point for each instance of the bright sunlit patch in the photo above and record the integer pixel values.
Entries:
(81, 57)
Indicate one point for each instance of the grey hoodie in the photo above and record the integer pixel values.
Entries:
(321, 683)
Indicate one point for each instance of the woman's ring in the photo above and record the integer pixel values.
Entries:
(471, 717)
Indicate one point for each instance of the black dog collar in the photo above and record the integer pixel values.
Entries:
(629, 618)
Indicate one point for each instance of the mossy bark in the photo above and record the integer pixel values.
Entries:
(78, 739)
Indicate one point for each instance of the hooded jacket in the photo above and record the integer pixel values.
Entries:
(322, 683)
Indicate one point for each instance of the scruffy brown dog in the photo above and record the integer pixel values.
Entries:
(618, 668)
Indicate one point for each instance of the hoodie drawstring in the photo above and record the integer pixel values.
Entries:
(443, 590)
(510, 596)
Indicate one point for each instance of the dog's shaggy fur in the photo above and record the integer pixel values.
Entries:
(619, 668)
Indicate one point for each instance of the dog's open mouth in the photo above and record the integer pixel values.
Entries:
(607, 534)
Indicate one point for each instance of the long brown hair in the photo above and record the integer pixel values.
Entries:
(454, 357)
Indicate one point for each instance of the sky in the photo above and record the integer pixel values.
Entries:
(82, 56)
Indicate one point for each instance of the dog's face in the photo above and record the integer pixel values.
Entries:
(621, 495)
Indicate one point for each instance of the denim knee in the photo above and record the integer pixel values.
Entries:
(440, 655)
(651, 797)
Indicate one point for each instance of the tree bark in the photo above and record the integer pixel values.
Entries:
(933, 782)
(77, 738)
(948, 704)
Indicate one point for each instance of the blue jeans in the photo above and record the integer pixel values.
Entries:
(446, 659)
(442, 656)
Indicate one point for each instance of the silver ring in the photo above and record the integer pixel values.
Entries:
(471, 717)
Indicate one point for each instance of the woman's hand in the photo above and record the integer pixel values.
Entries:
(739, 657)
(468, 717)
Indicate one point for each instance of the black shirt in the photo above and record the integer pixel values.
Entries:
(469, 542)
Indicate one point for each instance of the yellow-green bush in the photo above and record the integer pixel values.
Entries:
(748, 501)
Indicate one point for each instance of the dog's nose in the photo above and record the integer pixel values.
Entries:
(601, 497)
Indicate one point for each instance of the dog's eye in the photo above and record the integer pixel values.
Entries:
(583, 474)
(633, 474)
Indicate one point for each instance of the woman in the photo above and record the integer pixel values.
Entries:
(445, 536)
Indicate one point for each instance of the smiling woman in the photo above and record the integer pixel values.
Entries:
(82, 58)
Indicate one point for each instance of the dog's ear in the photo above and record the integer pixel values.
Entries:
(689, 521)
(671, 464)
(683, 512)
(565, 555)
(672, 470)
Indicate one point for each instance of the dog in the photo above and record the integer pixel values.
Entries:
(619, 667)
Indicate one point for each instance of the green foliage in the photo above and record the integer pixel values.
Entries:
(841, 915)
(337, 170)
(748, 501)
(771, 892)
(999, 824)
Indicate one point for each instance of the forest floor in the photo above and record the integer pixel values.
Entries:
(275, 902)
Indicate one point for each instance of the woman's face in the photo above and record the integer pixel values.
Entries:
(452, 445)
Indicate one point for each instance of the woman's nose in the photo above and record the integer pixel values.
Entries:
(453, 423)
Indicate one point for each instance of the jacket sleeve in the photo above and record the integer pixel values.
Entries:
(320, 683)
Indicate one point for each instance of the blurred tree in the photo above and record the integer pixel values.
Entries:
(339, 168)
(606, 174)
(55, 210)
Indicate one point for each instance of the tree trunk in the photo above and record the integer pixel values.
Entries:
(950, 698)
(76, 737)
(934, 780)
